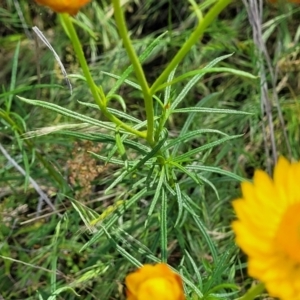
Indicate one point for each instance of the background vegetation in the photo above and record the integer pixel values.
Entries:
(105, 223)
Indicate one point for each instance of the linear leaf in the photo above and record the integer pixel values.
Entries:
(202, 229)
(219, 269)
(129, 82)
(190, 135)
(164, 226)
(69, 113)
(196, 270)
(122, 250)
(180, 203)
(216, 170)
(187, 172)
(115, 112)
(210, 111)
(142, 58)
(157, 192)
(205, 71)
(193, 81)
(13, 75)
(168, 89)
(29, 88)
(208, 182)
(105, 138)
(152, 153)
(189, 154)
(114, 218)
(191, 117)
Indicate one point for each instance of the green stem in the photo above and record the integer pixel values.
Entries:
(253, 292)
(97, 94)
(192, 40)
(121, 24)
(96, 91)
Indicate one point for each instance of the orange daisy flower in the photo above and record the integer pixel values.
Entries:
(156, 282)
(64, 6)
(268, 228)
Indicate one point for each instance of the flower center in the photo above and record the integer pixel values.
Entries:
(158, 289)
(288, 234)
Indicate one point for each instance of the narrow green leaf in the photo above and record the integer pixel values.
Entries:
(40, 296)
(92, 274)
(128, 82)
(128, 256)
(69, 113)
(114, 218)
(124, 138)
(170, 189)
(188, 155)
(142, 58)
(208, 182)
(119, 99)
(60, 290)
(26, 88)
(190, 118)
(139, 163)
(184, 170)
(219, 269)
(115, 112)
(209, 110)
(13, 75)
(216, 170)
(107, 139)
(164, 226)
(157, 192)
(117, 181)
(120, 146)
(122, 250)
(192, 286)
(112, 160)
(152, 153)
(202, 229)
(190, 135)
(180, 203)
(168, 88)
(205, 71)
(196, 270)
(193, 81)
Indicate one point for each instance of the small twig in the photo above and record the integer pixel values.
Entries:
(22, 19)
(41, 217)
(38, 65)
(43, 196)
(57, 58)
(255, 10)
(33, 266)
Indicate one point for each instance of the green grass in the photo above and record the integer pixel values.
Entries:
(169, 202)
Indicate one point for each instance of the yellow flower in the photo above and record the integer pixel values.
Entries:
(64, 6)
(156, 282)
(268, 228)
